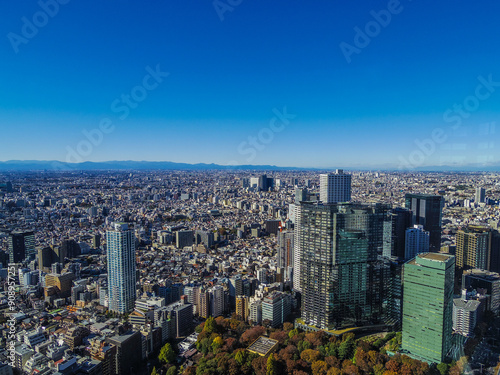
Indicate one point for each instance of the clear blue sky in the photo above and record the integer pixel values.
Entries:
(229, 77)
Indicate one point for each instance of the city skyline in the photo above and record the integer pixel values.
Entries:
(365, 83)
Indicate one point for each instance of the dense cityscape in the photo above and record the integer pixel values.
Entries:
(251, 272)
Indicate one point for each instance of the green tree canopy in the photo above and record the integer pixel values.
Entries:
(167, 354)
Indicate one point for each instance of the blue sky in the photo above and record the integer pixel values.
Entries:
(231, 70)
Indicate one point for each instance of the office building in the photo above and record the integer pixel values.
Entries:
(184, 238)
(265, 183)
(475, 279)
(181, 314)
(416, 241)
(428, 306)
(96, 241)
(6, 186)
(427, 211)
(300, 195)
(341, 277)
(285, 251)
(45, 258)
(120, 243)
(204, 237)
(296, 212)
(262, 275)
(335, 187)
(401, 221)
(480, 195)
(276, 307)
(21, 246)
(473, 247)
(61, 282)
(242, 307)
(204, 304)
(212, 302)
(255, 312)
(272, 226)
(128, 352)
(466, 314)
(395, 292)
(495, 252)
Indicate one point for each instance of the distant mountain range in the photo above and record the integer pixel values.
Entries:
(37, 165)
(53, 165)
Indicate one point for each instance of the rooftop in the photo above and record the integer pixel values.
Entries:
(263, 346)
(435, 256)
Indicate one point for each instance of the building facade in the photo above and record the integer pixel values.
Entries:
(416, 241)
(428, 306)
(427, 211)
(21, 245)
(473, 247)
(121, 268)
(341, 277)
(335, 187)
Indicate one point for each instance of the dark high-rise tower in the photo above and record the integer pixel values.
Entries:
(265, 183)
(401, 220)
(341, 277)
(21, 246)
(427, 211)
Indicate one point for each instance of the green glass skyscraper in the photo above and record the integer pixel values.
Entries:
(428, 306)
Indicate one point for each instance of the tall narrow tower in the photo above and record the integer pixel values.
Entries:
(120, 243)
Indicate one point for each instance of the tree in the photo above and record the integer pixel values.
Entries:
(172, 370)
(346, 348)
(203, 345)
(303, 345)
(154, 372)
(167, 354)
(230, 344)
(392, 365)
(310, 355)
(250, 335)
(319, 368)
(199, 328)
(210, 325)
(316, 338)
(280, 336)
(259, 365)
(217, 343)
(442, 368)
(293, 332)
(271, 365)
(240, 357)
(334, 371)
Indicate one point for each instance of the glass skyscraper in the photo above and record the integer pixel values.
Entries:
(120, 243)
(21, 246)
(341, 274)
(427, 211)
(428, 306)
